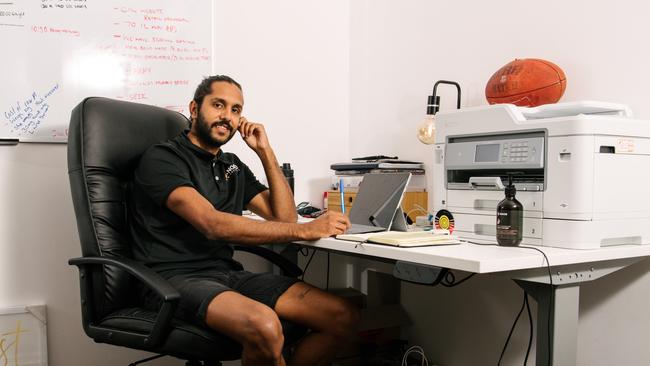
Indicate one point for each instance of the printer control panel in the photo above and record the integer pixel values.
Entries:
(521, 152)
(517, 151)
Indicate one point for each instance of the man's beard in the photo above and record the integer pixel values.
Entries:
(203, 129)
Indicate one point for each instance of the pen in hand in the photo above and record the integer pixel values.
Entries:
(342, 195)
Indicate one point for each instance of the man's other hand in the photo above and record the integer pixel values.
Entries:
(327, 224)
(253, 134)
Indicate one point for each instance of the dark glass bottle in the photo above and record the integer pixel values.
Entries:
(510, 218)
(288, 173)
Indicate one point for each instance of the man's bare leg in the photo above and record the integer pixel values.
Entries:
(332, 319)
(254, 325)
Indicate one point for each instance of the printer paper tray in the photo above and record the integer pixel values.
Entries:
(485, 202)
(486, 225)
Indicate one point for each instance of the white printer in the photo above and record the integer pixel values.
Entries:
(581, 169)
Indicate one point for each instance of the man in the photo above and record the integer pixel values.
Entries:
(186, 203)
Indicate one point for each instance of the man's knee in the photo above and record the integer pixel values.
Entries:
(263, 333)
(345, 317)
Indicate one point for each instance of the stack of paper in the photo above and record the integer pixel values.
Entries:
(377, 164)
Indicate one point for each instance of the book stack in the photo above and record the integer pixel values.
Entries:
(351, 173)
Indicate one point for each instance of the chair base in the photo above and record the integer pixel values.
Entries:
(202, 363)
(188, 363)
(146, 360)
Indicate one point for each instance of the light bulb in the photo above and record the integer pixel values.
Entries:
(427, 130)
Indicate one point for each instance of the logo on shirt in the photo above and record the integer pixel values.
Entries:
(232, 170)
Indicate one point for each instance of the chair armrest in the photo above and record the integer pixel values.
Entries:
(147, 276)
(287, 267)
(138, 270)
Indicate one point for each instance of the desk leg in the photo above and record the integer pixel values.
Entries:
(561, 303)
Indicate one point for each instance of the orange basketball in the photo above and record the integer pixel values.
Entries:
(527, 82)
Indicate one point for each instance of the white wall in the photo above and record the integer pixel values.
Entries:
(399, 50)
(292, 59)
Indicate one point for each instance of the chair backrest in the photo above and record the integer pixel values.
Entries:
(106, 139)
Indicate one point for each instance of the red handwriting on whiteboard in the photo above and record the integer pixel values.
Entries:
(125, 10)
(154, 18)
(161, 40)
(177, 108)
(151, 18)
(185, 41)
(138, 70)
(137, 96)
(172, 82)
(151, 11)
(53, 30)
(59, 133)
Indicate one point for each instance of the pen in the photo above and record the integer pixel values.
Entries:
(342, 195)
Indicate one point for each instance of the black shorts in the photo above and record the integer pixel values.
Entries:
(198, 287)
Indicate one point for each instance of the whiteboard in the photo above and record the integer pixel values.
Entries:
(57, 52)
(23, 340)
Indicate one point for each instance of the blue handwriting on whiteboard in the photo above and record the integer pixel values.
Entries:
(24, 116)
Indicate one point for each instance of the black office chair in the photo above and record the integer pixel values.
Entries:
(106, 140)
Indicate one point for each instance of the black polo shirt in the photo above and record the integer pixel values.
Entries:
(164, 240)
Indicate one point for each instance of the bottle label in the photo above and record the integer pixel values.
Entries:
(509, 225)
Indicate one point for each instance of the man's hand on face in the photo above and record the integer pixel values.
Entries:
(253, 134)
(327, 224)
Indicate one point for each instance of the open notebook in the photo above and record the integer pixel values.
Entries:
(404, 238)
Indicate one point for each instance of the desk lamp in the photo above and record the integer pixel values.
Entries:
(427, 129)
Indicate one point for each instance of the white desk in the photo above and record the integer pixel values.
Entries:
(527, 267)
